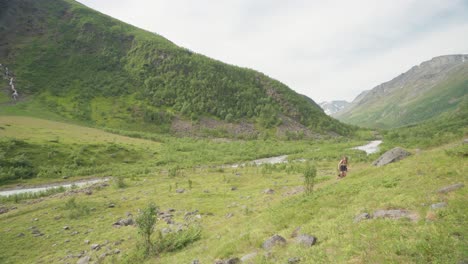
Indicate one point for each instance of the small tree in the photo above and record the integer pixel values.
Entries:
(146, 222)
(310, 172)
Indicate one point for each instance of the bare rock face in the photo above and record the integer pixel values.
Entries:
(390, 156)
(273, 241)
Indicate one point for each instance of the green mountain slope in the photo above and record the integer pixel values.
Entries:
(422, 93)
(89, 67)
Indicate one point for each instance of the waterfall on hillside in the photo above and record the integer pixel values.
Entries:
(9, 76)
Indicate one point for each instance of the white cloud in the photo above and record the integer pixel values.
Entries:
(324, 49)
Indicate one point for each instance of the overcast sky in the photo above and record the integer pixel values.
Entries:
(327, 50)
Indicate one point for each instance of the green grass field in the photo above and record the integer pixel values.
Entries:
(234, 223)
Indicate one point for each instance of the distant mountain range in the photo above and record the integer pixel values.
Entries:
(86, 66)
(331, 107)
(424, 92)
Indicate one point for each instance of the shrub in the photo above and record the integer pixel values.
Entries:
(146, 222)
(310, 172)
(75, 209)
(119, 182)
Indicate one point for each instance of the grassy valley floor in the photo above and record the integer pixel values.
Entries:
(231, 206)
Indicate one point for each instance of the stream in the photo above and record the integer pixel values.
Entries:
(371, 147)
(67, 185)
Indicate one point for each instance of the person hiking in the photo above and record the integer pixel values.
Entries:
(343, 167)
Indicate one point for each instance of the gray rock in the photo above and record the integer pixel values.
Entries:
(438, 205)
(395, 214)
(294, 260)
(87, 242)
(180, 190)
(95, 247)
(229, 215)
(111, 205)
(234, 188)
(124, 222)
(275, 240)
(3, 210)
(451, 188)
(103, 255)
(84, 260)
(269, 191)
(306, 240)
(248, 257)
(228, 261)
(117, 251)
(361, 217)
(66, 228)
(390, 156)
(195, 261)
(20, 235)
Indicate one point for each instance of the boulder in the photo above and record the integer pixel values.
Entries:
(294, 260)
(273, 241)
(84, 260)
(361, 217)
(95, 247)
(3, 210)
(395, 214)
(228, 261)
(306, 240)
(248, 257)
(451, 188)
(124, 222)
(438, 205)
(390, 156)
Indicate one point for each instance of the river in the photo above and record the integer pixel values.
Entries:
(371, 147)
(37, 189)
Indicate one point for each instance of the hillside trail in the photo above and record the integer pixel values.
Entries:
(9, 76)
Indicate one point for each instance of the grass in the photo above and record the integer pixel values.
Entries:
(234, 223)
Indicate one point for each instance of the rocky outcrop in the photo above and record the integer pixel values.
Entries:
(273, 241)
(390, 156)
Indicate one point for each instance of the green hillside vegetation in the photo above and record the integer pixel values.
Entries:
(87, 67)
(225, 211)
(442, 129)
(396, 110)
(37, 151)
